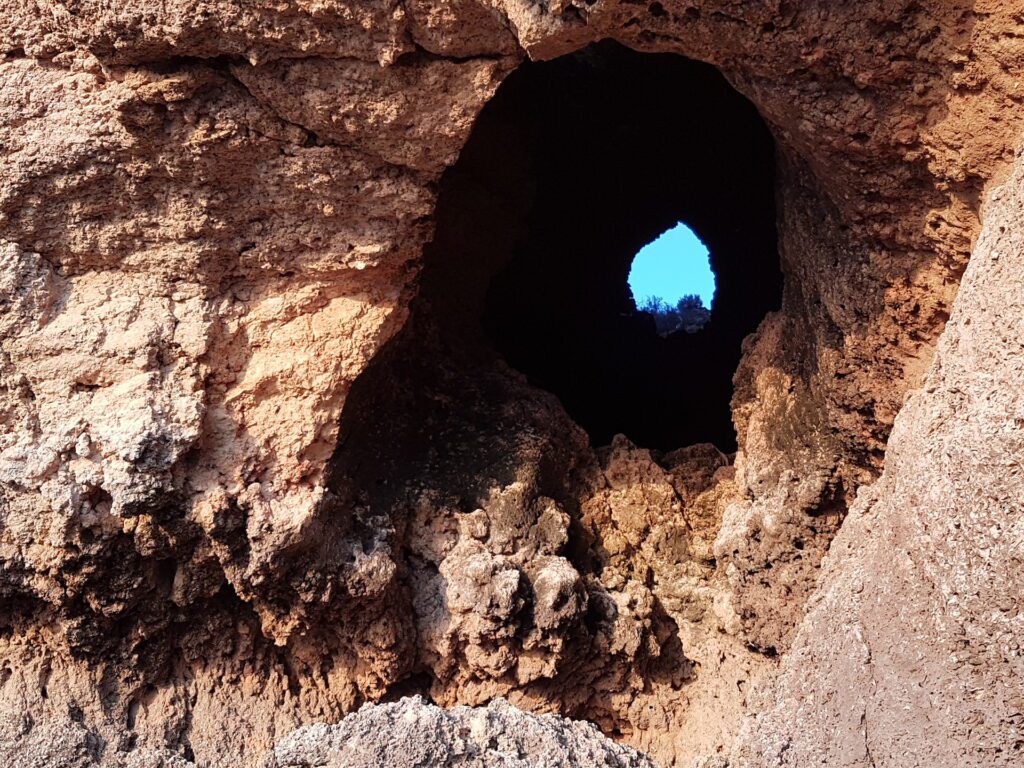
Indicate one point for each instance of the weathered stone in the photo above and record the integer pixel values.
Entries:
(412, 732)
(218, 522)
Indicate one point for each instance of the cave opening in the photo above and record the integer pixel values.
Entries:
(573, 167)
(672, 280)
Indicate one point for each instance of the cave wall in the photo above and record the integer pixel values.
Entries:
(212, 222)
(917, 612)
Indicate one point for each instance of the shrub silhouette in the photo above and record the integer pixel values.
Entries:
(689, 314)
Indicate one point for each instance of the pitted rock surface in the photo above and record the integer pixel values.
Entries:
(255, 472)
(412, 732)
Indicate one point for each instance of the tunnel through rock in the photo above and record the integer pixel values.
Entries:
(571, 168)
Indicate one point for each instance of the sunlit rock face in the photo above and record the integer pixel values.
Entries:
(266, 454)
(413, 732)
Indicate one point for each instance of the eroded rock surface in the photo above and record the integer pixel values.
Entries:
(250, 480)
(918, 609)
(412, 732)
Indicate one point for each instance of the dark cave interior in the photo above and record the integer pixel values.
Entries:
(573, 166)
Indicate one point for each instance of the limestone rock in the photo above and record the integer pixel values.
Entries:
(412, 732)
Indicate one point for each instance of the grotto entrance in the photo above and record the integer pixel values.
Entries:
(572, 167)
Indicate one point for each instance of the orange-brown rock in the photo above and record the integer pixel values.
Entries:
(250, 478)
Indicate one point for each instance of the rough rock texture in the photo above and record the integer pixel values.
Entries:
(69, 744)
(241, 491)
(919, 608)
(412, 732)
(408, 733)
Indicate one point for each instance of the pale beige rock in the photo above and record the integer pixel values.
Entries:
(411, 732)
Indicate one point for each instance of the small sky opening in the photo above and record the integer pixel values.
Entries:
(674, 265)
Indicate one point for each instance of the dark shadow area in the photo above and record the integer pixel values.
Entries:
(574, 166)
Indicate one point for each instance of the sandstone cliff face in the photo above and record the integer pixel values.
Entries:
(246, 484)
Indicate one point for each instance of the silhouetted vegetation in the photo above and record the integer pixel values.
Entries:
(689, 314)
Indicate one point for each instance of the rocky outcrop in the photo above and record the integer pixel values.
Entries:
(412, 732)
(918, 608)
(409, 732)
(250, 478)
